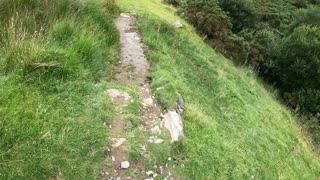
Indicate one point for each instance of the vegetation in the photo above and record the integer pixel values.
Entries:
(234, 127)
(279, 39)
(56, 58)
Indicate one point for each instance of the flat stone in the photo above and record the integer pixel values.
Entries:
(156, 130)
(125, 165)
(149, 173)
(118, 142)
(118, 97)
(178, 24)
(154, 140)
(144, 148)
(125, 15)
(173, 122)
(148, 102)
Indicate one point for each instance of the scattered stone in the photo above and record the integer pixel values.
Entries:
(181, 102)
(156, 130)
(118, 96)
(173, 122)
(125, 165)
(178, 24)
(169, 159)
(129, 124)
(118, 178)
(118, 142)
(124, 15)
(159, 88)
(149, 173)
(161, 116)
(148, 102)
(113, 159)
(154, 140)
(144, 148)
(181, 105)
(110, 126)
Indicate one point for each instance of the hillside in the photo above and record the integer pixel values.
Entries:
(75, 99)
(234, 127)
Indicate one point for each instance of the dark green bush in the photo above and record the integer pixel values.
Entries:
(310, 16)
(208, 18)
(243, 13)
(295, 67)
(173, 2)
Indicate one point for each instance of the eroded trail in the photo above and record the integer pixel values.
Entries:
(128, 156)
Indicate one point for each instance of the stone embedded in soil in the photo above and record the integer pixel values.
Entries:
(144, 148)
(148, 102)
(178, 24)
(173, 122)
(124, 15)
(156, 130)
(129, 124)
(125, 165)
(118, 142)
(154, 140)
(149, 173)
(113, 159)
(118, 96)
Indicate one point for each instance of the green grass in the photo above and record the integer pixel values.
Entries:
(234, 127)
(56, 59)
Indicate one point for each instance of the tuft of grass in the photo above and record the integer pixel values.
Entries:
(134, 155)
(56, 61)
(234, 127)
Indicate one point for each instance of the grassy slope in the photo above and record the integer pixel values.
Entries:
(51, 118)
(234, 127)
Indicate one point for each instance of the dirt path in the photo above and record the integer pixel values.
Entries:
(133, 72)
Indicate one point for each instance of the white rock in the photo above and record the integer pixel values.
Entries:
(154, 140)
(148, 102)
(125, 165)
(118, 96)
(144, 148)
(118, 142)
(149, 173)
(113, 159)
(178, 24)
(118, 178)
(156, 130)
(173, 122)
(124, 15)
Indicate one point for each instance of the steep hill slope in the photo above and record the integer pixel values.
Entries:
(234, 127)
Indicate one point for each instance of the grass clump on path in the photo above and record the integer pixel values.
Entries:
(55, 59)
(234, 127)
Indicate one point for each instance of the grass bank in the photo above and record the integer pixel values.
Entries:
(56, 59)
(234, 126)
